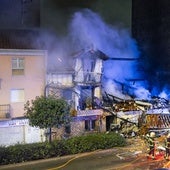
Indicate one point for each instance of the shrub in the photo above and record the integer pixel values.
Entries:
(27, 152)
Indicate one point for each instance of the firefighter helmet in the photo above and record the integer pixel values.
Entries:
(152, 134)
(168, 136)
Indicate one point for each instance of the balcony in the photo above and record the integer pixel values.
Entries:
(5, 111)
(60, 80)
(93, 112)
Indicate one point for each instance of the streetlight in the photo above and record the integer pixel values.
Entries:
(45, 95)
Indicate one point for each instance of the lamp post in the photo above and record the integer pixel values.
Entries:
(45, 95)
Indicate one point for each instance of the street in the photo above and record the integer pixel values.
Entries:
(131, 157)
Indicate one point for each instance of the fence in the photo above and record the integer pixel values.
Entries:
(19, 132)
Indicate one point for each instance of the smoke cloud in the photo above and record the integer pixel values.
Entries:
(88, 30)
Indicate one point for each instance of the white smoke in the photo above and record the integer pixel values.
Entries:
(87, 29)
(58, 49)
(112, 88)
(163, 95)
(142, 93)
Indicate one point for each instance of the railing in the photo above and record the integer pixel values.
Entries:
(89, 112)
(5, 111)
(60, 79)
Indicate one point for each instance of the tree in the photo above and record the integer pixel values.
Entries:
(47, 112)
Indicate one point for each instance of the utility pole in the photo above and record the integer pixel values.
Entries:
(45, 95)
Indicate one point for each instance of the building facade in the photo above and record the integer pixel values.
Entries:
(22, 75)
(81, 88)
(22, 78)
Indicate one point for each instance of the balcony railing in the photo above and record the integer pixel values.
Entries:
(5, 111)
(89, 112)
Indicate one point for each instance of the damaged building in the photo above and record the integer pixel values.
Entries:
(92, 109)
(81, 87)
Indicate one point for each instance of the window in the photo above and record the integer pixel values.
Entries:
(17, 66)
(17, 95)
(89, 125)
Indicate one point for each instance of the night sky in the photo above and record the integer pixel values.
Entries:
(55, 14)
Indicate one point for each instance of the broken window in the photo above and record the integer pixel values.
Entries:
(89, 125)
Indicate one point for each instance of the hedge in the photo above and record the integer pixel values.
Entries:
(28, 152)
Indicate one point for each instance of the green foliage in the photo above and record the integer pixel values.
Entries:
(94, 141)
(27, 152)
(46, 112)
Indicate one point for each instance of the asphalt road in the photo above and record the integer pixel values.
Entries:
(132, 157)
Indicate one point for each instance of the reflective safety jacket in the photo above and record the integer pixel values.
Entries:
(151, 142)
(167, 143)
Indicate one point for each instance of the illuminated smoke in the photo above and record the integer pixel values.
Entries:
(58, 51)
(142, 93)
(164, 94)
(87, 29)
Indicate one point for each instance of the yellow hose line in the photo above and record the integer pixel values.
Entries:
(76, 157)
(63, 164)
(167, 165)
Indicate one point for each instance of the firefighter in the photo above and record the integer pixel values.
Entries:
(151, 143)
(146, 138)
(167, 146)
